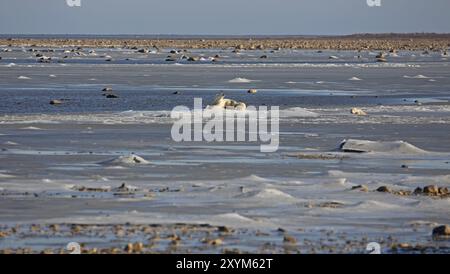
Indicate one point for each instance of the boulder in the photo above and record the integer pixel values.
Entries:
(384, 189)
(431, 190)
(441, 231)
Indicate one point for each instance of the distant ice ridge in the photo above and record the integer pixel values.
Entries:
(302, 65)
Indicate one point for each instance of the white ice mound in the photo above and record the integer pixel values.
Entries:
(255, 178)
(420, 76)
(268, 194)
(234, 220)
(126, 160)
(352, 145)
(240, 80)
(355, 79)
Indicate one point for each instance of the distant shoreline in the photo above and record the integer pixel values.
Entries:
(381, 41)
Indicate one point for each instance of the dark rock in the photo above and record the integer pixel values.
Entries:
(380, 55)
(224, 229)
(418, 190)
(55, 102)
(383, 189)
(112, 96)
(441, 231)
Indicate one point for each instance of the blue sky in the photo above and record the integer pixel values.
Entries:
(230, 17)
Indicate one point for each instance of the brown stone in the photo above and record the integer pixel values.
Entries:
(443, 190)
(289, 239)
(431, 189)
